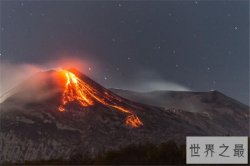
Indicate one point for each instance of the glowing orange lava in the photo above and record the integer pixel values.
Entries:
(79, 91)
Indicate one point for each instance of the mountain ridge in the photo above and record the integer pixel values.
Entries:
(152, 96)
(32, 128)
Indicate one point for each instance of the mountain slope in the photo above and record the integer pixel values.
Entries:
(33, 127)
(185, 100)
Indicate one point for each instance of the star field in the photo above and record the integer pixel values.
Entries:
(202, 45)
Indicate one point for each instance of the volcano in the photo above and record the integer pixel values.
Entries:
(59, 113)
(87, 93)
(74, 89)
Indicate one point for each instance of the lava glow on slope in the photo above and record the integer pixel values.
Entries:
(77, 90)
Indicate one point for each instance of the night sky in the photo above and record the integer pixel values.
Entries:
(198, 45)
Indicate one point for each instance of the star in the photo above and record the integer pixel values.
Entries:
(105, 78)
(196, 2)
(235, 28)
(89, 68)
(157, 47)
(119, 5)
(129, 58)
(176, 65)
(208, 68)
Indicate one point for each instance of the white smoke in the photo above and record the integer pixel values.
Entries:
(12, 75)
(145, 80)
(158, 85)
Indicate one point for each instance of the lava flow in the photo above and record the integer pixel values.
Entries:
(77, 90)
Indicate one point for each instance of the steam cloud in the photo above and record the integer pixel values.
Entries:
(143, 80)
(157, 85)
(13, 74)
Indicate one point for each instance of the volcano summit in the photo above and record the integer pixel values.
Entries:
(87, 94)
(59, 113)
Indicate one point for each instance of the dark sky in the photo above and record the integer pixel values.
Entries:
(201, 45)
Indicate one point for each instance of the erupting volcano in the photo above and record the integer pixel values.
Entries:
(60, 114)
(86, 95)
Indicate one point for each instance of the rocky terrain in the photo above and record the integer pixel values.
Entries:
(32, 128)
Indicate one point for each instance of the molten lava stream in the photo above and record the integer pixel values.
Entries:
(77, 90)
